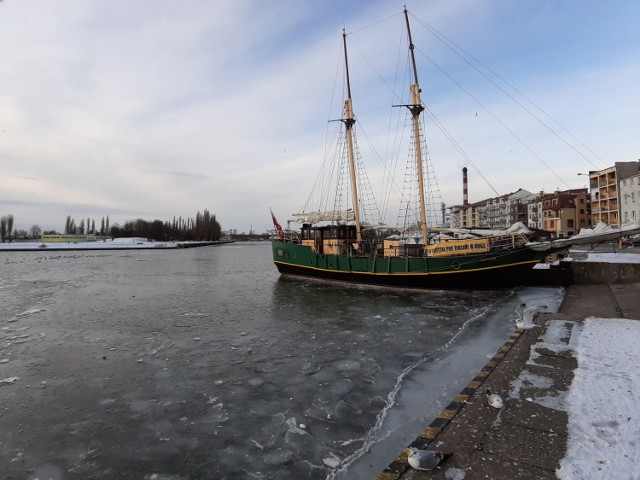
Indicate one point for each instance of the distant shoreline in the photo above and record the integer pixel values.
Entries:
(116, 244)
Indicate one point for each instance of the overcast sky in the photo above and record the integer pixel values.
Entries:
(156, 108)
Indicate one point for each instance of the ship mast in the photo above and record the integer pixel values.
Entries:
(416, 109)
(349, 122)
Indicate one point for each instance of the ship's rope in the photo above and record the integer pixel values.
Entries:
(500, 122)
(465, 56)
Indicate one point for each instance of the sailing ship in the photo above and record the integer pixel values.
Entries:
(345, 249)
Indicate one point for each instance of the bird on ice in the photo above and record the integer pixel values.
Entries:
(494, 399)
(426, 459)
(526, 314)
(520, 311)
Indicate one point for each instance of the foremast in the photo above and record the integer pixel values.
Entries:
(416, 109)
(349, 121)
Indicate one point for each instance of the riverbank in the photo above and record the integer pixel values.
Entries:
(115, 244)
(535, 372)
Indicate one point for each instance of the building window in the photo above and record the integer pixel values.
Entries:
(570, 223)
(633, 198)
(551, 224)
(582, 210)
(626, 217)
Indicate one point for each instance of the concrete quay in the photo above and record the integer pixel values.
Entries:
(524, 440)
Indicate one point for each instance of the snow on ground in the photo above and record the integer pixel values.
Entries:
(602, 403)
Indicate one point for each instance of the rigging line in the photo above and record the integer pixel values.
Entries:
(460, 150)
(495, 118)
(375, 23)
(326, 142)
(440, 126)
(386, 190)
(380, 162)
(333, 95)
(390, 170)
(398, 97)
(446, 41)
(324, 167)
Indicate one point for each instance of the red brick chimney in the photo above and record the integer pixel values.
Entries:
(465, 187)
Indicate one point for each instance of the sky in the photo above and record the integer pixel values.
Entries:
(157, 109)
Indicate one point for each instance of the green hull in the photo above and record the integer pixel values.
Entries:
(505, 268)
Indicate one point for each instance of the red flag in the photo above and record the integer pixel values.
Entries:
(277, 225)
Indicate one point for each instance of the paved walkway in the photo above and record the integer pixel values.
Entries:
(528, 438)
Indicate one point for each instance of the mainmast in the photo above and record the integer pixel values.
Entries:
(416, 109)
(349, 121)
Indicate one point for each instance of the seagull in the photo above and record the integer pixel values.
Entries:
(531, 312)
(526, 314)
(494, 400)
(520, 311)
(426, 459)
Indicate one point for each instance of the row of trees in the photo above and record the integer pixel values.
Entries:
(204, 227)
(89, 228)
(8, 234)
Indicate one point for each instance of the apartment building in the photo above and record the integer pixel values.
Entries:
(564, 213)
(497, 212)
(535, 220)
(605, 193)
(630, 199)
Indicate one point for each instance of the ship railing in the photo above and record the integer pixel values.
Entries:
(289, 237)
(508, 242)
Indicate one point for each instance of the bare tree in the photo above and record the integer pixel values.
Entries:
(35, 231)
(3, 228)
(9, 225)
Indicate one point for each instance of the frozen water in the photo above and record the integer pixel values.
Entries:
(130, 387)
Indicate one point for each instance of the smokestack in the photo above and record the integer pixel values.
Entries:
(465, 187)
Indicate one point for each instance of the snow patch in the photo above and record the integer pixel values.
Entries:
(602, 402)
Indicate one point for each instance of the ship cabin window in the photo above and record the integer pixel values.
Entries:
(342, 232)
(310, 233)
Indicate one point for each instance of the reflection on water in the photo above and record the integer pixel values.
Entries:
(204, 363)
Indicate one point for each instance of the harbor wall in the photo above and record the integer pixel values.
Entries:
(584, 273)
(591, 273)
